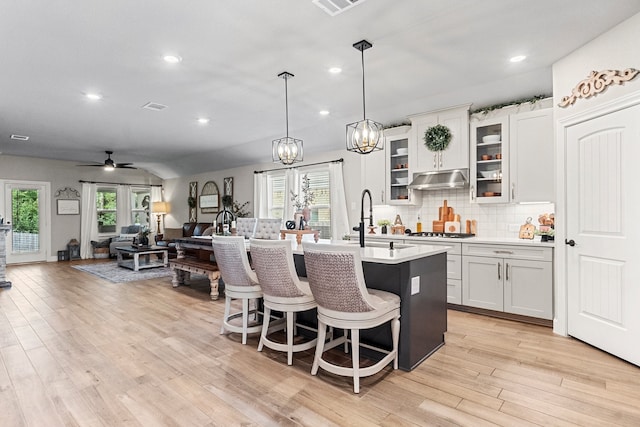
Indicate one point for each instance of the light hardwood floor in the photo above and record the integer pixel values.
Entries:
(76, 350)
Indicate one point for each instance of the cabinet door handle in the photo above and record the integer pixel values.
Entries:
(440, 156)
(499, 268)
(382, 196)
(472, 193)
(435, 160)
(513, 191)
(503, 252)
(506, 272)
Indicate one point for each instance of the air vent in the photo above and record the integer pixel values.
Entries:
(335, 7)
(154, 106)
(20, 137)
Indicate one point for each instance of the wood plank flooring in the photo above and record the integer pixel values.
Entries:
(76, 350)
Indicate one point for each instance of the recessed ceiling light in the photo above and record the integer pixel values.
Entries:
(518, 58)
(324, 112)
(335, 70)
(20, 137)
(203, 120)
(93, 96)
(172, 59)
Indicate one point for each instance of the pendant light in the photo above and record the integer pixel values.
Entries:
(366, 135)
(286, 150)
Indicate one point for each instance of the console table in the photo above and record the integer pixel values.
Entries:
(4, 229)
(299, 234)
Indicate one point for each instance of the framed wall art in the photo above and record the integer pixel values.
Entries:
(209, 198)
(228, 186)
(68, 207)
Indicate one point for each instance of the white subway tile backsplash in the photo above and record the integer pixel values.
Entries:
(494, 220)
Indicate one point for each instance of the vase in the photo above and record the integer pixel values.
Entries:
(306, 214)
(383, 229)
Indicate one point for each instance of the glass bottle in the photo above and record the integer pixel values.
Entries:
(419, 225)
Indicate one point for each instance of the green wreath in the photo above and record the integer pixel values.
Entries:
(437, 138)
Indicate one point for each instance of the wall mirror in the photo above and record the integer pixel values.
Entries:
(209, 200)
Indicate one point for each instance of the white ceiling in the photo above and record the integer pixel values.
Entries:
(427, 54)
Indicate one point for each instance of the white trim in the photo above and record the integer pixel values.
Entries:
(561, 312)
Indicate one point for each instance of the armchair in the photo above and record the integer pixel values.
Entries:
(127, 234)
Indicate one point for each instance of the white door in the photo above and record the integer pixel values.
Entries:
(603, 268)
(25, 210)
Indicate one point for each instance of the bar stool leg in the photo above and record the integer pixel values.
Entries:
(355, 359)
(322, 333)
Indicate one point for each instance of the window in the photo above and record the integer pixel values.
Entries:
(320, 220)
(276, 189)
(106, 205)
(140, 206)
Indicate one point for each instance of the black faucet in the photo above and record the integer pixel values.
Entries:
(361, 227)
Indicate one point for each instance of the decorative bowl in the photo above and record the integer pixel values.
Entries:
(491, 138)
(488, 194)
(486, 157)
(403, 181)
(402, 151)
(489, 174)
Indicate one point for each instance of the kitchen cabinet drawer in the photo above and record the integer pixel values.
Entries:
(454, 291)
(507, 251)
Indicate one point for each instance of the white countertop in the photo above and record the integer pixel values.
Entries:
(382, 254)
(485, 240)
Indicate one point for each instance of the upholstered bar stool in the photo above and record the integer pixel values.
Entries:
(240, 282)
(337, 283)
(282, 290)
(268, 228)
(246, 227)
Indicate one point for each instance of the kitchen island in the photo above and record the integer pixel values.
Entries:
(418, 274)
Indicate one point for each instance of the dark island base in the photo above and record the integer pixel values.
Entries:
(423, 315)
(5, 284)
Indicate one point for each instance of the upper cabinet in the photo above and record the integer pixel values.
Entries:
(532, 156)
(400, 166)
(489, 171)
(509, 151)
(456, 155)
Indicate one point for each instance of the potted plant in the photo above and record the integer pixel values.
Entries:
(302, 204)
(383, 224)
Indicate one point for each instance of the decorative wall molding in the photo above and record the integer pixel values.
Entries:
(67, 193)
(597, 82)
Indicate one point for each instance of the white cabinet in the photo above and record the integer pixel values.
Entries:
(454, 268)
(532, 156)
(374, 176)
(515, 167)
(456, 155)
(513, 279)
(489, 171)
(399, 167)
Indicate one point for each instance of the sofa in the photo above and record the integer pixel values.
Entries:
(127, 234)
(188, 229)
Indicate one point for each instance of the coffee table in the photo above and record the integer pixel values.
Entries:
(137, 263)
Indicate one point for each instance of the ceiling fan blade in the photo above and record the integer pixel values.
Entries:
(99, 166)
(124, 166)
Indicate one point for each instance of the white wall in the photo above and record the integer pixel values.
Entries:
(614, 50)
(62, 174)
(176, 189)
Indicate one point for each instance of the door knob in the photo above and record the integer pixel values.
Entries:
(570, 242)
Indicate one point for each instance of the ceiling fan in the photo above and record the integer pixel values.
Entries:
(109, 164)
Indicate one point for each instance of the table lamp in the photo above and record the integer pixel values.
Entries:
(159, 208)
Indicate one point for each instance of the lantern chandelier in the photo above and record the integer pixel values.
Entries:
(366, 135)
(286, 150)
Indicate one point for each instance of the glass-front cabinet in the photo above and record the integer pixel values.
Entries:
(489, 161)
(399, 153)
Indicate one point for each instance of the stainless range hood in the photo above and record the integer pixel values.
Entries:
(440, 180)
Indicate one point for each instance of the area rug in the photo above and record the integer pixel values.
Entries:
(111, 272)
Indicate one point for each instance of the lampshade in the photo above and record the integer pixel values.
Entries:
(366, 135)
(286, 150)
(160, 208)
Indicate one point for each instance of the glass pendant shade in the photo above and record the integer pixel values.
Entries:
(286, 150)
(364, 136)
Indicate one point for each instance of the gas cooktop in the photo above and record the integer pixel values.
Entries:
(447, 235)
